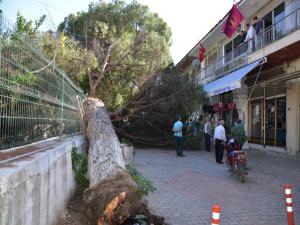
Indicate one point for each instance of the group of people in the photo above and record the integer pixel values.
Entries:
(250, 36)
(219, 137)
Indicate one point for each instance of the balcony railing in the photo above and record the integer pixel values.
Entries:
(239, 56)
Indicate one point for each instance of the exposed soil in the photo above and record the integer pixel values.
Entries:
(77, 213)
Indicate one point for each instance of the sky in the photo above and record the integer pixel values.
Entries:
(189, 20)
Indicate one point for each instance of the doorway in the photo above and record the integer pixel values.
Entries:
(271, 115)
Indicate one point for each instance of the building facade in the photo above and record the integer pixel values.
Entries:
(259, 79)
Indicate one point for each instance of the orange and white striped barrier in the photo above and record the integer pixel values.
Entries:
(215, 219)
(289, 204)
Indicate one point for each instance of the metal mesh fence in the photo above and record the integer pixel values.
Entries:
(37, 100)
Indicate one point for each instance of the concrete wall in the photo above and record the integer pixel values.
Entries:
(36, 189)
(292, 114)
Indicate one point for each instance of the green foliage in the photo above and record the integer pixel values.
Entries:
(80, 167)
(238, 133)
(164, 97)
(70, 56)
(140, 41)
(126, 141)
(145, 186)
(26, 27)
(28, 79)
(192, 142)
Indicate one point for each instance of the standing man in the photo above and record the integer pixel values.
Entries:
(242, 45)
(207, 132)
(258, 25)
(250, 37)
(243, 35)
(177, 129)
(220, 139)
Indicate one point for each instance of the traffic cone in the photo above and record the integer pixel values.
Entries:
(215, 219)
(289, 204)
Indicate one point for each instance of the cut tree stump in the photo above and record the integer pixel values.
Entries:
(105, 157)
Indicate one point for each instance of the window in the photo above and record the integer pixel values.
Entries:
(268, 110)
(267, 20)
(275, 19)
(256, 121)
(294, 5)
(212, 57)
(274, 16)
(230, 47)
(237, 41)
(279, 13)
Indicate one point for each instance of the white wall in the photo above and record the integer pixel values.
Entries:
(35, 190)
(292, 114)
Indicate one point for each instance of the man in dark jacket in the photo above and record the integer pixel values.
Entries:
(257, 24)
(207, 133)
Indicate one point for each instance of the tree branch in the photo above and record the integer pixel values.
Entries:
(104, 64)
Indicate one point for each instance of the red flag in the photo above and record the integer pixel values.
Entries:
(201, 53)
(233, 21)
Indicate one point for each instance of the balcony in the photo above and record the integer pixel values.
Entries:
(239, 56)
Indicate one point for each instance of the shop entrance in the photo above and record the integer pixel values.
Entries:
(267, 121)
(256, 121)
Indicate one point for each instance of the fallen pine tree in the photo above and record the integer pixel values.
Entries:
(112, 196)
(147, 118)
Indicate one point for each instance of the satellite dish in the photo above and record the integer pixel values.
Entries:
(196, 65)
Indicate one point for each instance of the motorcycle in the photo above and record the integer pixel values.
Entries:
(236, 160)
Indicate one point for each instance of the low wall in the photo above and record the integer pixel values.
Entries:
(35, 190)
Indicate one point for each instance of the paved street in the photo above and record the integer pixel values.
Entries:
(188, 187)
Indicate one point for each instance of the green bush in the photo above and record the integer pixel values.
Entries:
(145, 186)
(80, 167)
(238, 133)
(126, 141)
(192, 142)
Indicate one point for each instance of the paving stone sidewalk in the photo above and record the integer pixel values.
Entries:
(188, 187)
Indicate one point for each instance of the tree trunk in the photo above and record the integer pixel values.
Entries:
(111, 198)
(92, 91)
(105, 158)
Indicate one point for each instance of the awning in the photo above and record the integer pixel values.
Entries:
(230, 81)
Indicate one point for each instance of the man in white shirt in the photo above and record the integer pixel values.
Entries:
(250, 38)
(220, 139)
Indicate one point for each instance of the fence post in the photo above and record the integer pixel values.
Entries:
(62, 103)
(289, 204)
(1, 31)
(215, 218)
